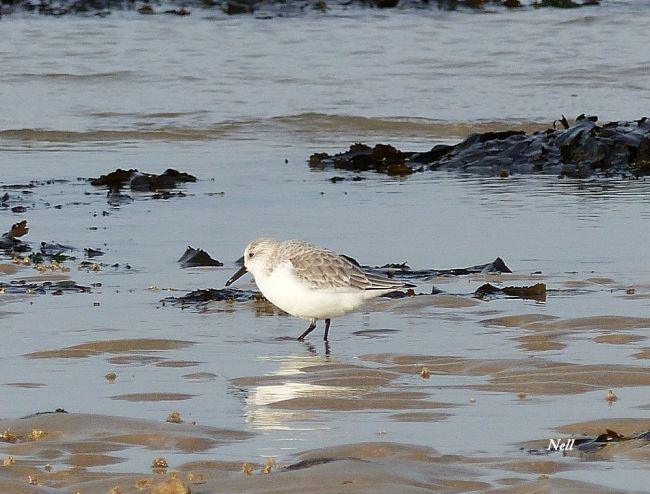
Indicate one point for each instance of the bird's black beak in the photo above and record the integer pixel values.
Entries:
(241, 272)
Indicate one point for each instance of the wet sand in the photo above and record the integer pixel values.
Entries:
(59, 450)
(71, 451)
(387, 420)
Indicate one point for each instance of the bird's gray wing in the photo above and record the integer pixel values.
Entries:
(322, 269)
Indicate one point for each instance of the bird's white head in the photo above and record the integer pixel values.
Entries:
(257, 258)
(258, 255)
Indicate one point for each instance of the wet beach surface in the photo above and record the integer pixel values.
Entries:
(446, 392)
(503, 372)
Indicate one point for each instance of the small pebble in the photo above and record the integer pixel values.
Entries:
(143, 483)
(7, 437)
(36, 434)
(270, 463)
(159, 464)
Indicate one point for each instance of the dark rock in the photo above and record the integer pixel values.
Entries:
(113, 180)
(234, 8)
(213, 294)
(146, 9)
(535, 292)
(383, 158)
(496, 266)
(386, 4)
(317, 158)
(169, 179)
(436, 153)
(403, 271)
(19, 229)
(142, 182)
(561, 4)
(583, 149)
(89, 252)
(10, 241)
(56, 288)
(53, 249)
(197, 257)
(182, 11)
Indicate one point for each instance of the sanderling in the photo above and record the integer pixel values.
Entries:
(310, 282)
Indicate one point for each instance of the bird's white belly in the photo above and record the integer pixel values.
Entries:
(285, 291)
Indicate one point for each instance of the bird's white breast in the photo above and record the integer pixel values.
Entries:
(282, 288)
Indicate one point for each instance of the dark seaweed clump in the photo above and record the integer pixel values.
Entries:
(197, 257)
(264, 8)
(204, 295)
(142, 182)
(403, 271)
(584, 149)
(23, 287)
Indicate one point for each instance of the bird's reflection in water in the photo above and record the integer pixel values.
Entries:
(311, 348)
(279, 400)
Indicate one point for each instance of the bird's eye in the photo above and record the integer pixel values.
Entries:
(251, 254)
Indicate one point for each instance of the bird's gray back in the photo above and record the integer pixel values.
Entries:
(322, 268)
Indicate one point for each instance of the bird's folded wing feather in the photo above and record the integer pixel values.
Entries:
(325, 269)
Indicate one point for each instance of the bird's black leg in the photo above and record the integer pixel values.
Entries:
(327, 328)
(311, 327)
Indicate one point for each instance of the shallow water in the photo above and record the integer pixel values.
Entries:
(224, 75)
(231, 111)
